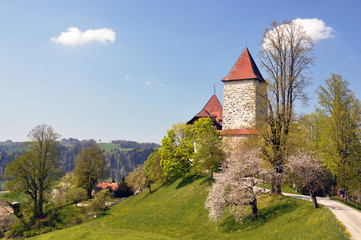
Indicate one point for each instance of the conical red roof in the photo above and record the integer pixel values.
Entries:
(244, 68)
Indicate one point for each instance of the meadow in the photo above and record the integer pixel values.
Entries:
(176, 211)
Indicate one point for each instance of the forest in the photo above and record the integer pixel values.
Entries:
(120, 161)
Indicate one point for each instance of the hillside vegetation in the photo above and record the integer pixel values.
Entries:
(121, 156)
(177, 211)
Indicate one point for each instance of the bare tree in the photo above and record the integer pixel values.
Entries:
(307, 171)
(286, 55)
(235, 188)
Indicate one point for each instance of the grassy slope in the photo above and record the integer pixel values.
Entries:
(112, 146)
(177, 212)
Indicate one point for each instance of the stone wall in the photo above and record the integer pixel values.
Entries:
(241, 104)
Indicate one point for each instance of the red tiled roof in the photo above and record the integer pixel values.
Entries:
(239, 132)
(212, 109)
(105, 185)
(244, 68)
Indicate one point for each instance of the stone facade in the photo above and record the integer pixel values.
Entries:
(242, 104)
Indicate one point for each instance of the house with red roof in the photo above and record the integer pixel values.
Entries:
(112, 186)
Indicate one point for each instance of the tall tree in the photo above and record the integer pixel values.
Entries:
(208, 147)
(152, 167)
(35, 172)
(286, 55)
(176, 152)
(339, 117)
(89, 167)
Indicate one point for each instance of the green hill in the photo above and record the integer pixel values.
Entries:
(177, 211)
(112, 146)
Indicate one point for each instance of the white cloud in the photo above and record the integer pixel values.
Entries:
(316, 28)
(148, 83)
(128, 77)
(73, 36)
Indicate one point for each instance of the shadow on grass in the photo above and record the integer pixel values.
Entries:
(188, 180)
(268, 214)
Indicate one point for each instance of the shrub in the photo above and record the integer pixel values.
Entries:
(76, 195)
(98, 204)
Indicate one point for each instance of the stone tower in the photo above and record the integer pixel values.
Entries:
(243, 104)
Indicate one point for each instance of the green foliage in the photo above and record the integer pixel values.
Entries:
(153, 168)
(336, 133)
(138, 179)
(35, 172)
(98, 204)
(71, 215)
(176, 152)
(209, 151)
(176, 211)
(76, 195)
(122, 157)
(178, 156)
(89, 167)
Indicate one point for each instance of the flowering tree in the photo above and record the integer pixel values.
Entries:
(235, 188)
(307, 172)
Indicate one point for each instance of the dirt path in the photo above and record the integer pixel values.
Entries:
(350, 217)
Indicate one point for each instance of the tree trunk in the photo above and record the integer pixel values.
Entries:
(35, 210)
(278, 189)
(211, 175)
(314, 200)
(41, 202)
(254, 209)
(150, 189)
(273, 189)
(89, 193)
(276, 185)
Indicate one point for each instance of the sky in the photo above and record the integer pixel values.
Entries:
(109, 70)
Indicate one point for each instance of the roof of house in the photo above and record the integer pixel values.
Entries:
(104, 185)
(212, 109)
(244, 68)
(5, 209)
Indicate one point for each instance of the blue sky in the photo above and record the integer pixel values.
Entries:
(153, 64)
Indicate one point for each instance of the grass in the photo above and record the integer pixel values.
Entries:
(177, 211)
(2, 193)
(112, 146)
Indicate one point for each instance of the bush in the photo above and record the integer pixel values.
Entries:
(71, 215)
(98, 204)
(76, 195)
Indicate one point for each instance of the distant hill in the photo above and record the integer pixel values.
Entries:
(121, 156)
(176, 211)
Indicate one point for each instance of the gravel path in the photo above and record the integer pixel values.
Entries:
(350, 217)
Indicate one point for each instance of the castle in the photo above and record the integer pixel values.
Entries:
(243, 100)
